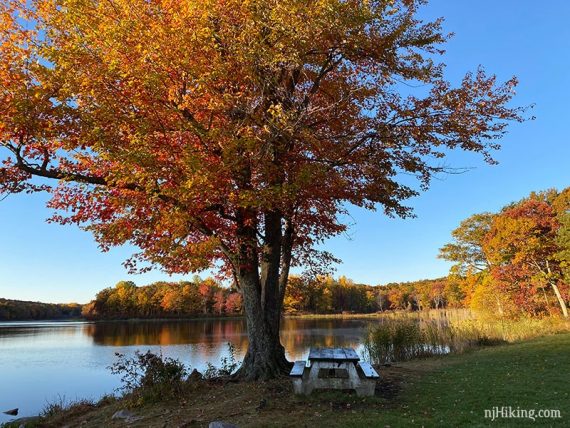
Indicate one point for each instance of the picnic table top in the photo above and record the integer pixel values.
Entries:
(333, 354)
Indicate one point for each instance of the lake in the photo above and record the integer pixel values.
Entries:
(46, 362)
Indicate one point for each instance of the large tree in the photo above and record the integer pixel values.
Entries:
(516, 256)
(466, 250)
(471, 264)
(523, 248)
(232, 133)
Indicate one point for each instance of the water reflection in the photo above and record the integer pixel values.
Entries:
(165, 333)
(212, 336)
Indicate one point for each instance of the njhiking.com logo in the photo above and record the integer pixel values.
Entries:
(509, 412)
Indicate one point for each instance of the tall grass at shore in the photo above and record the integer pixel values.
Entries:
(460, 313)
(405, 338)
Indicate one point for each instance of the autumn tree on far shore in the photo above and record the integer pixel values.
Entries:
(232, 133)
(184, 299)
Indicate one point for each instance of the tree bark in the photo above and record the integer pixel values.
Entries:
(259, 279)
(499, 306)
(265, 357)
(555, 288)
(560, 300)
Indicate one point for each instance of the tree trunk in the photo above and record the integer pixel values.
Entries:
(265, 357)
(560, 300)
(499, 306)
(262, 281)
(547, 301)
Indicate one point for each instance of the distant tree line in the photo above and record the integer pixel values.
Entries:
(326, 295)
(164, 300)
(322, 295)
(207, 298)
(18, 310)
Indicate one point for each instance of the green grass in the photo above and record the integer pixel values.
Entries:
(530, 375)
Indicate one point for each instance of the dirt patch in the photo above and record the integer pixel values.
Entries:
(260, 404)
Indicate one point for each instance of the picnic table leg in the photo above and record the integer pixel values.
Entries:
(312, 379)
(364, 387)
(298, 385)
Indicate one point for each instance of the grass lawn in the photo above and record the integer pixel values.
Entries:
(447, 391)
(530, 375)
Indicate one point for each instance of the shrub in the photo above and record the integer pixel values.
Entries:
(149, 376)
(61, 406)
(228, 365)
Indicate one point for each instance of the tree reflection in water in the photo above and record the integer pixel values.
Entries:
(212, 336)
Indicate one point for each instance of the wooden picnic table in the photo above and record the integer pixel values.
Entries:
(333, 355)
(334, 368)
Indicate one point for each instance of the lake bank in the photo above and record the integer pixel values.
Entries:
(454, 390)
(236, 316)
(391, 313)
(43, 361)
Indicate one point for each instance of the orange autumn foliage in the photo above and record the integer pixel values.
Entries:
(232, 134)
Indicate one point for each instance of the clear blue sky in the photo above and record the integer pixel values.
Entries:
(52, 263)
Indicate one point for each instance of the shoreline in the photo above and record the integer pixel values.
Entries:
(424, 392)
(241, 316)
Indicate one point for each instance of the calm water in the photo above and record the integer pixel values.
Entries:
(43, 362)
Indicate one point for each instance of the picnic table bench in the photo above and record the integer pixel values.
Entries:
(334, 368)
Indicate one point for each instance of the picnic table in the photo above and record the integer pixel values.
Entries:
(334, 368)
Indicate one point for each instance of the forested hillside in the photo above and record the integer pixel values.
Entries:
(18, 310)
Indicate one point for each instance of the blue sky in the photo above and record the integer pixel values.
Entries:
(52, 263)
